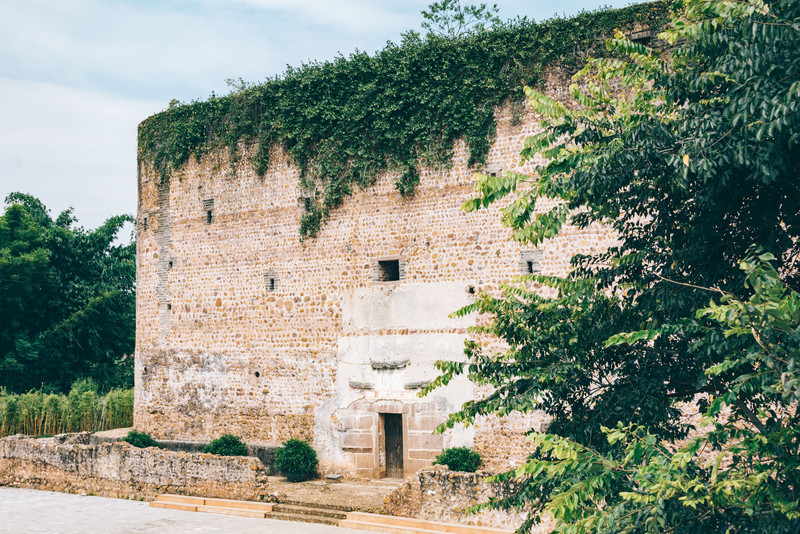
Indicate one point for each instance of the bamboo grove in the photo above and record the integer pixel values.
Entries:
(38, 413)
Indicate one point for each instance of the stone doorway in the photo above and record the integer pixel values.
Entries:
(393, 444)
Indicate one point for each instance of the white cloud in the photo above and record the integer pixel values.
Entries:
(187, 50)
(70, 147)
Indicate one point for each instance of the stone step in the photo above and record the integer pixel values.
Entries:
(181, 499)
(232, 511)
(175, 506)
(241, 505)
(337, 507)
(407, 525)
(308, 510)
(304, 518)
(184, 502)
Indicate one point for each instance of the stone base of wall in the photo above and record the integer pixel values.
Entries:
(438, 494)
(69, 464)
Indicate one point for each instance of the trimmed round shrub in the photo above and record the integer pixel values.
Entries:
(459, 459)
(140, 439)
(227, 445)
(296, 459)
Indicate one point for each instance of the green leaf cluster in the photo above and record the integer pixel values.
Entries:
(344, 122)
(67, 299)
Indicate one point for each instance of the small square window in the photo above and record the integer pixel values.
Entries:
(388, 270)
(391, 269)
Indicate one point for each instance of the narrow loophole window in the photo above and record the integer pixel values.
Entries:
(271, 281)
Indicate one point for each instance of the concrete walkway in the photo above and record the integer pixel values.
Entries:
(24, 511)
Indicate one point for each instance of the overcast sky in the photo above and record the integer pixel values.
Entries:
(77, 76)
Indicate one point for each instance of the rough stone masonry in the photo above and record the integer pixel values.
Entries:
(244, 329)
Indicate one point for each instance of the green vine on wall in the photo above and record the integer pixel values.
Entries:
(345, 121)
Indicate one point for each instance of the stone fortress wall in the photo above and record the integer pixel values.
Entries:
(244, 329)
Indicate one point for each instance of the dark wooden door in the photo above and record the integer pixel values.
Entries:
(393, 430)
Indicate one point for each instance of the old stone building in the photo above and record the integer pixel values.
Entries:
(244, 329)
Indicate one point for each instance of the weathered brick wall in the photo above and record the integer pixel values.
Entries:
(243, 329)
(68, 463)
(438, 494)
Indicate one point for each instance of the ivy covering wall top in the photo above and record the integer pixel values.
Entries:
(343, 122)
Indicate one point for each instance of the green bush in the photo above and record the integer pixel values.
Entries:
(296, 459)
(227, 445)
(459, 459)
(140, 439)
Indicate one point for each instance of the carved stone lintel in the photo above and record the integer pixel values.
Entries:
(388, 365)
(355, 384)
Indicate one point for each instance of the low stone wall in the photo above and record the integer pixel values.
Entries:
(265, 453)
(68, 463)
(438, 494)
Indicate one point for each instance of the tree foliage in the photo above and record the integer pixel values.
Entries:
(67, 307)
(690, 153)
(449, 18)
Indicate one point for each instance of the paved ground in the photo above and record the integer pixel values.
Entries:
(24, 511)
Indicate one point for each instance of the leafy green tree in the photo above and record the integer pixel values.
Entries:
(67, 302)
(690, 153)
(740, 473)
(449, 18)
